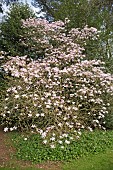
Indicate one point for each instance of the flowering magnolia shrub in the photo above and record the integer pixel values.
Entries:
(61, 94)
(41, 37)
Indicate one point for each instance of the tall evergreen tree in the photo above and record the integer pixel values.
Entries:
(11, 30)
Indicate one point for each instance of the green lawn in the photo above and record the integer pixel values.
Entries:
(102, 161)
(94, 151)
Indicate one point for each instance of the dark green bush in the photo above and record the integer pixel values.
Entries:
(11, 30)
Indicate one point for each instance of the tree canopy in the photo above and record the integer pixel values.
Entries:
(81, 12)
(94, 13)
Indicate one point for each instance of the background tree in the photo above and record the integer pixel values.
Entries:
(97, 13)
(79, 11)
(11, 28)
(1, 10)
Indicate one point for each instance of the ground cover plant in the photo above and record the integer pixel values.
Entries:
(99, 156)
(30, 147)
(60, 94)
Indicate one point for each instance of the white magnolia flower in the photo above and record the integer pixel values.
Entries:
(33, 126)
(52, 139)
(53, 134)
(62, 147)
(3, 115)
(11, 129)
(25, 139)
(65, 118)
(48, 106)
(71, 138)
(79, 133)
(60, 142)
(16, 96)
(37, 115)
(43, 134)
(14, 128)
(44, 141)
(42, 114)
(67, 141)
(29, 115)
(5, 107)
(6, 99)
(5, 129)
(60, 137)
(91, 130)
(60, 124)
(65, 135)
(52, 146)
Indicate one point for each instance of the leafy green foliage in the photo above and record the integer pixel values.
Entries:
(80, 12)
(29, 146)
(109, 116)
(11, 30)
(3, 79)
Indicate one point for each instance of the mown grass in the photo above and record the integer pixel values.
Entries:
(93, 151)
(101, 161)
(33, 150)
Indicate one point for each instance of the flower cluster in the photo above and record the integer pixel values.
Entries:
(43, 37)
(59, 95)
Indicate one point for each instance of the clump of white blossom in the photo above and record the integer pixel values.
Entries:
(61, 94)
